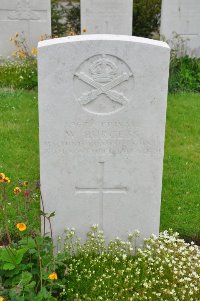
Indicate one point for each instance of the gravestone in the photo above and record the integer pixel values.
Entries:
(182, 17)
(28, 18)
(106, 17)
(102, 106)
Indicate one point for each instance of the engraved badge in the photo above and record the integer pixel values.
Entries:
(103, 84)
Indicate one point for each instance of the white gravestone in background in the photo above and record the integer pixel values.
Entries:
(102, 106)
(182, 17)
(106, 16)
(29, 18)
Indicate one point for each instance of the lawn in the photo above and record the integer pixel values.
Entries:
(19, 157)
(181, 179)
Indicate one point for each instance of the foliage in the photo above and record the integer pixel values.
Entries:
(146, 17)
(20, 74)
(65, 18)
(184, 74)
(22, 49)
(19, 204)
(166, 268)
(25, 268)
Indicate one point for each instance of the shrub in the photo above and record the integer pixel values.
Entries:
(146, 17)
(184, 74)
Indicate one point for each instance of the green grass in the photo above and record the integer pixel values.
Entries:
(19, 156)
(181, 179)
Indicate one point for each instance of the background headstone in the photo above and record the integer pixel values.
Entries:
(102, 107)
(106, 16)
(30, 17)
(182, 17)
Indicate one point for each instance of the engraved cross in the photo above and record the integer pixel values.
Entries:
(101, 190)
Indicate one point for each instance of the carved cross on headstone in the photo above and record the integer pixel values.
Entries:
(101, 190)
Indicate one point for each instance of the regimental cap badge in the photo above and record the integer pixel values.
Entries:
(103, 70)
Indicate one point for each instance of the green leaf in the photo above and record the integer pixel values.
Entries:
(11, 255)
(19, 255)
(30, 286)
(26, 278)
(43, 295)
(28, 242)
(8, 266)
(8, 255)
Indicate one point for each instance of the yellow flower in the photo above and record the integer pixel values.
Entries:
(25, 183)
(2, 177)
(34, 51)
(16, 35)
(1, 298)
(21, 227)
(6, 180)
(71, 33)
(53, 276)
(84, 30)
(17, 190)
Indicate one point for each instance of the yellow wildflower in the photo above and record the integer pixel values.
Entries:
(21, 226)
(1, 298)
(2, 177)
(6, 180)
(17, 190)
(34, 51)
(25, 183)
(53, 276)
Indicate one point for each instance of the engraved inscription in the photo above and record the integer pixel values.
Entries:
(100, 84)
(106, 137)
(23, 12)
(101, 190)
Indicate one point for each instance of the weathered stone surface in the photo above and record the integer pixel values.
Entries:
(29, 18)
(106, 16)
(182, 17)
(102, 106)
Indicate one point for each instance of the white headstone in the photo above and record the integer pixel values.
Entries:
(29, 18)
(106, 16)
(102, 106)
(182, 17)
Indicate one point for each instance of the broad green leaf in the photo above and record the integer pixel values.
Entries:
(8, 266)
(8, 254)
(19, 255)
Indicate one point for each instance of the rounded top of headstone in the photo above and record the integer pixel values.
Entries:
(102, 37)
